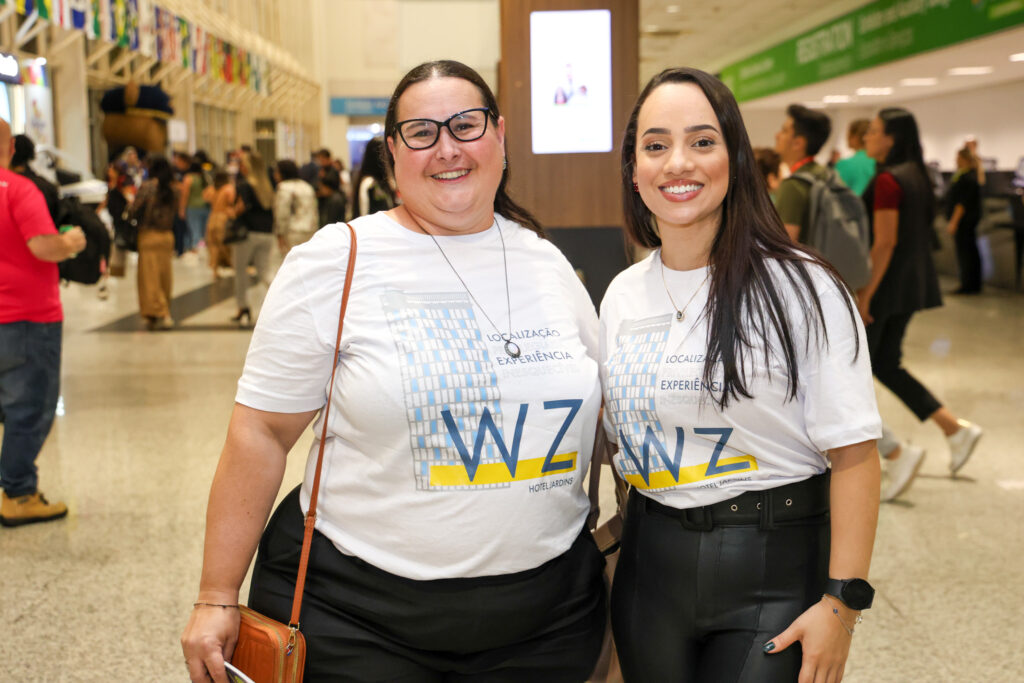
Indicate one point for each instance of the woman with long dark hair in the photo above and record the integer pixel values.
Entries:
(734, 375)
(451, 540)
(155, 207)
(901, 205)
(373, 187)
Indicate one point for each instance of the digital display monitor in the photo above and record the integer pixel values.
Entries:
(571, 81)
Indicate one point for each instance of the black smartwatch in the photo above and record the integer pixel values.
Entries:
(856, 594)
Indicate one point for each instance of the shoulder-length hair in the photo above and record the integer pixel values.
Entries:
(446, 68)
(745, 303)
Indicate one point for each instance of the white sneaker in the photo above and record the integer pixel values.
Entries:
(962, 443)
(902, 472)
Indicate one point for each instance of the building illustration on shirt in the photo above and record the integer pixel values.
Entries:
(648, 458)
(461, 438)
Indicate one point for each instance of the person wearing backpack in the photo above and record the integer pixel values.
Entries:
(816, 206)
(31, 323)
(801, 137)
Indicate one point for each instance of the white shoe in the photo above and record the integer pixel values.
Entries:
(962, 443)
(902, 472)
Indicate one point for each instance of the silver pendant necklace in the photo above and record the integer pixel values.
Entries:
(511, 348)
(680, 312)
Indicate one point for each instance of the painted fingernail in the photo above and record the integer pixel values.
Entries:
(769, 646)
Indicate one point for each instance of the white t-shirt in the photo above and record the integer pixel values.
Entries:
(675, 444)
(446, 457)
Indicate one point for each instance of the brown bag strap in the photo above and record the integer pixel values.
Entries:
(307, 536)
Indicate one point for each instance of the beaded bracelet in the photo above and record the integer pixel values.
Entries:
(835, 611)
(213, 604)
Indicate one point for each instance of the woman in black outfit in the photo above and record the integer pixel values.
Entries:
(963, 209)
(903, 281)
(253, 209)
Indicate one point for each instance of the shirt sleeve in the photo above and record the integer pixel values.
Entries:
(835, 383)
(791, 201)
(888, 193)
(288, 366)
(604, 350)
(30, 214)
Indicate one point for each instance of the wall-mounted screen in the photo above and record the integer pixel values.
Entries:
(571, 81)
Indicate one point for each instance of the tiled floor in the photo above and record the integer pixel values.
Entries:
(103, 595)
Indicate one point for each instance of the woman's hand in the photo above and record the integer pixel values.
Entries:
(824, 639)
(208, 641)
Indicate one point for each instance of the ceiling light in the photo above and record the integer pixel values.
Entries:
(1019, 57)
(970, 71)
(836, 99)
(814, 105)
(672, 9)
(41, 61)
(912, 82)
(651, 28)
(873, 92)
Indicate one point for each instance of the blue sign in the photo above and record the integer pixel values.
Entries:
(359, 106)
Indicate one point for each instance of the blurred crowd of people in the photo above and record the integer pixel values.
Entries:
(238, 212)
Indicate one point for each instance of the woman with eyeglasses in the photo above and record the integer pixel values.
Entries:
(450, 542)
(736, 373)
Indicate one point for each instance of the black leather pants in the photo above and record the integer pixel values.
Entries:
(692, 605)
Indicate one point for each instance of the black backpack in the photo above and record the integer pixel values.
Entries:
(87, 267)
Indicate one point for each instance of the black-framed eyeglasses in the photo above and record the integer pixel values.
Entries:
(465, 126)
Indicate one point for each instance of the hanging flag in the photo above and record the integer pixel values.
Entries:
(102, 19)
(199, 50)
(147, 28)
(81, 16)
(184, 42)
(168, 40)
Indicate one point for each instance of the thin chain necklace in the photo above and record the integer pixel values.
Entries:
(680, 312)
(511, 348)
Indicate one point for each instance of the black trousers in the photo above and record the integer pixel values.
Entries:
(885, 345)
(698, 605)
(968, 257)
(364, 624)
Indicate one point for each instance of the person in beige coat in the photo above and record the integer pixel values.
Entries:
(295, 210)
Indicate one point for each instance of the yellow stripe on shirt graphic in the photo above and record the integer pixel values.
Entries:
(497, 472)
(691, 474)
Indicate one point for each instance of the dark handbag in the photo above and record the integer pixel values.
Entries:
(235, 231)
(268, 651)
(607, 538)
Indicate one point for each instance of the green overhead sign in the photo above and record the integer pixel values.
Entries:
(878, 33)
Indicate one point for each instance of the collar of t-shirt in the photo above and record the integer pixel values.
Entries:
(796, 167)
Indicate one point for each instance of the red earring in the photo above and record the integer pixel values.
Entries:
(636, 188)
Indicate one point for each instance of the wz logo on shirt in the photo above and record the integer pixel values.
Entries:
(459, 436)
(637, 467)
(511, 468)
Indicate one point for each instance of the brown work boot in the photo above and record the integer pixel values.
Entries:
(28, 509)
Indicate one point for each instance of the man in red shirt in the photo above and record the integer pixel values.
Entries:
(30, 337)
